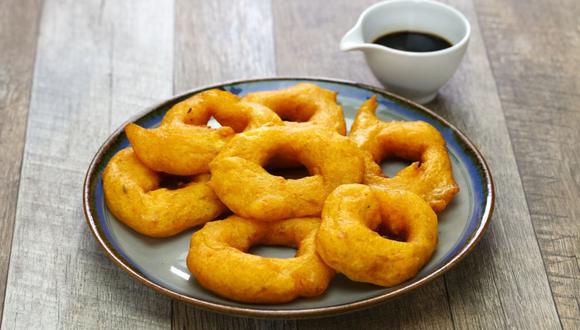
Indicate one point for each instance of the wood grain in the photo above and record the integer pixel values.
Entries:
(222, 40)
(227, 40)
(18, 34)
(316, 29)
(537, 71)
(97, 61)
(307, 38)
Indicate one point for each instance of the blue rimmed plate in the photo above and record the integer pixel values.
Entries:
(160, 263)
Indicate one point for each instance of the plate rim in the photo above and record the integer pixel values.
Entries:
(288, 313)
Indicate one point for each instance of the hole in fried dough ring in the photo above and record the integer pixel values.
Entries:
(347, 240)
(242, 184)
(134, 197)
(430, 176)
(303, 103)
(219, 261)
(183, 144)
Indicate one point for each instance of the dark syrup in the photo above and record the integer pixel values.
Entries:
(411, 41)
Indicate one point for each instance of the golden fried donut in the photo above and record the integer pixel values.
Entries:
(133, 196)
(183, 144)
(219, 261)
(430, 176)
(348, 242)
(303, 102)
(244, 186)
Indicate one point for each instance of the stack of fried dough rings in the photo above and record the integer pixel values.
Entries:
(345, 217)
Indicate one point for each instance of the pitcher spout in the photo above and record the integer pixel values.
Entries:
(353, 39)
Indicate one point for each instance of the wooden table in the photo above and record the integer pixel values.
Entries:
(72, 71)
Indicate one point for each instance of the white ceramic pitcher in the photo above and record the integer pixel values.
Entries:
(414, 75)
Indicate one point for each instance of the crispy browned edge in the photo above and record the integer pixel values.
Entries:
(297, 313)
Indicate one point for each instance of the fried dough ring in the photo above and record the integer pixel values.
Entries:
(241, 182)
(347, 242)
(303, 102)
(183, 144)
(430, 177)
(219, 260)
(133, 196)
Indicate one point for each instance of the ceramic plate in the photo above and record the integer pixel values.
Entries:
(160, 263)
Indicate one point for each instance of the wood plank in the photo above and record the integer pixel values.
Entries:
(537, 71)
(222, 40)
(307, 38)
(18, 34)
(97, 62)
(489, 289)
(227, 40)
(315, 28)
